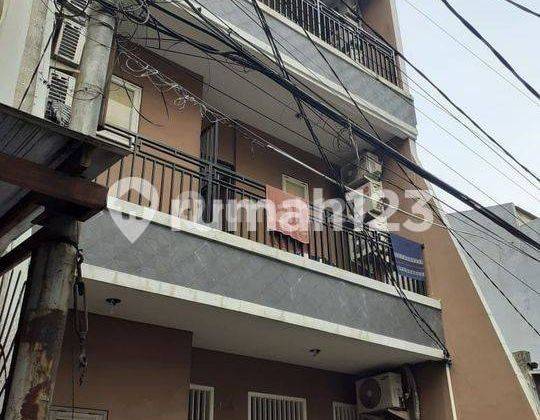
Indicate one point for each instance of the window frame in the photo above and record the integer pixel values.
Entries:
(304, 185)
(136, 105)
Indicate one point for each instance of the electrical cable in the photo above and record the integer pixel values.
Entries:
(522, 7)
(241, 56)
(443, 94)
(497, 239)
(471, 52)
(491, 234)
(36, 69)
(495, 285)
(444, 129)
(497, 54)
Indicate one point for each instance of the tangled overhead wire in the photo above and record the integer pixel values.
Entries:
(133, 65)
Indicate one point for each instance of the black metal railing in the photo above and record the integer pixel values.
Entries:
(341, 33)
(181, 182)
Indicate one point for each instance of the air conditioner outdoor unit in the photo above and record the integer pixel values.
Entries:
(356, 172)
(75, 5)
(60, 97)
(379, 393)
(70, 43)
(367, 200)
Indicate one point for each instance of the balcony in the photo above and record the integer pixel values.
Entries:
(177, 177)
(340, 33)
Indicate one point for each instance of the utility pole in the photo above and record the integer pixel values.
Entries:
(54, 263)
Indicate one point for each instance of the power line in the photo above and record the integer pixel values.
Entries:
(470, 51)
(497, 54)
(443, 94)
(490, 234)
(338, 117)
(375, 132)
(366, 119)
(522, 7)
(497, 287)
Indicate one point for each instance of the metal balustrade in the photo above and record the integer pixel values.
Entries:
(341, 33)
(182, 182)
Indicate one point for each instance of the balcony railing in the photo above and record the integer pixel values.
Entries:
(341, 33)
(177, 178)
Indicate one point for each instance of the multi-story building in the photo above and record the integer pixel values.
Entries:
(512, 272)
(195, 317)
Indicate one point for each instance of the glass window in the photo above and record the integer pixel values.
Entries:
(123, 105)
(295, 187)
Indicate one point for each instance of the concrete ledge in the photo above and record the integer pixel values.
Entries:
(192, 228)
(112, 277)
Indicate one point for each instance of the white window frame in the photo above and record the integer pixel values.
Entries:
(205, 388)
(336, 405)
(302, 184)
(118, 134)
(303, 401)
(79, 413)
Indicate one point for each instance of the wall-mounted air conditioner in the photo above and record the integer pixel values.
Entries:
(367, 200)
(379, 393)
(355, 173)
(70, 43)
(78, 6)
(60, 97)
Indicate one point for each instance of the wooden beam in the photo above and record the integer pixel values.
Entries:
(23, 250)
(17, 214)
(54, 184)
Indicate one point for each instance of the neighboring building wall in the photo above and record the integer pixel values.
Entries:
(135, 371)
(14, 23)
(234, 376)
(517, 333)
(485, 383)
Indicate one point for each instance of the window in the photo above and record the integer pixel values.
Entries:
(295, 187)
(275, 407)
(343, 411)
(201, 402)
(123, 105)
(66, 413)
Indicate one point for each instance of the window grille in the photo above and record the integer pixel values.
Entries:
(344, 411)
(201, 402)
(275, 407)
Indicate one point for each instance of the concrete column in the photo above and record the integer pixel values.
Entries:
(50, 277)
(53, 264)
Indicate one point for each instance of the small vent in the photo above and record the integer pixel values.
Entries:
(276, 407)
(344, 411)
(70, 42)
(201, 402)
(60, 98)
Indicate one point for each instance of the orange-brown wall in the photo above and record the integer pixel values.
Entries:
(139, 372)
(177, 127)
(182, 129)
(135, 371)
(267, 166)
(378, 14)
(234, 376)
(484, 383)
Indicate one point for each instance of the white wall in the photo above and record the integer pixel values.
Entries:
(13, 29)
